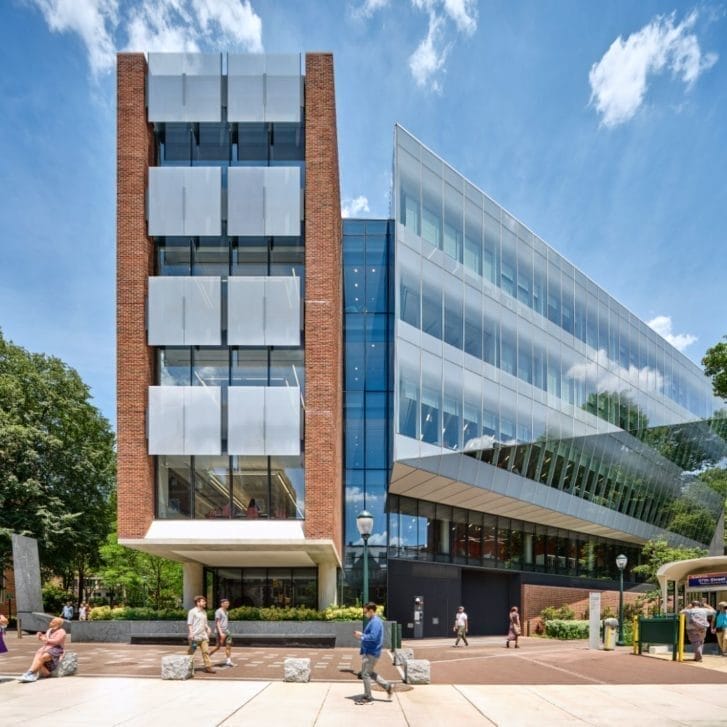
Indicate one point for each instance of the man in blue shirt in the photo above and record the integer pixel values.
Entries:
(372, 641)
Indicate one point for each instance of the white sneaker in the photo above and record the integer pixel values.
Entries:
(229, 663)
(29, 676)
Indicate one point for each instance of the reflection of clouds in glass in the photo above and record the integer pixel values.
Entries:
(486, 441)
(610, 376)
(356, 496)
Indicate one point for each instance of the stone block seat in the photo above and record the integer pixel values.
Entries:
(177, 667)
(67, 666)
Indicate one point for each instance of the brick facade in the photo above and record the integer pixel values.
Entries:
(134, 261)
(323, 308)
(535, 598)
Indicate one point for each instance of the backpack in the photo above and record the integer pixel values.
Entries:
(697, 620)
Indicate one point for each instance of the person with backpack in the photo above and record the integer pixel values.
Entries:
(719, 627)
(697, 622)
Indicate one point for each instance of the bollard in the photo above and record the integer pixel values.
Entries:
(17, 624)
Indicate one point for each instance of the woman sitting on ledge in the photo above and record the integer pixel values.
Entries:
(48, 656)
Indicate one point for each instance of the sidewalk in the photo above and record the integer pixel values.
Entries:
(106, 702)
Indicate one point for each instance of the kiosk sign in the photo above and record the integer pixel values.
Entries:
(707, 580)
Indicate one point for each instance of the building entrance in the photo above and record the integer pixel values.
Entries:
(487, 598)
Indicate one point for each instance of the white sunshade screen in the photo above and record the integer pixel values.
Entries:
(185, 420)
(184, 311)
(263, 87)
(246, 201)
(185, 87)
(263, 201)
(185, 201)
(263, 311)
(263, 420)
(282, 201)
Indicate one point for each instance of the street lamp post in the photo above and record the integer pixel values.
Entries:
(621, 562)
(365, 524)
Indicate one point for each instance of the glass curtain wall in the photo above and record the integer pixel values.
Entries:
(226, 486)
(367, 385)
(433, 532)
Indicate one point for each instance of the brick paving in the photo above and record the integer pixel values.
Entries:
(486, 661)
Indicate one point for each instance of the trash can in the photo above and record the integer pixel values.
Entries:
(610, 626)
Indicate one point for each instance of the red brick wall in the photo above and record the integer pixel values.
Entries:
(535, 598)
(323, 307)
(134, 261)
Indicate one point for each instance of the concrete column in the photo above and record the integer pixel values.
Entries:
(327, 593)
(528, 548)
(192, 583)
(444, 536)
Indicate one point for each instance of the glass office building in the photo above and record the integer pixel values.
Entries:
(537, 428)
(510, 426)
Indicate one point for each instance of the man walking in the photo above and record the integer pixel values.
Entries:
(460, 626)
(372, 641)
(199, 631)
(222, 629)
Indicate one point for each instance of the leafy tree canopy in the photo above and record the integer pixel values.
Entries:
(57, 460)
(715, 365)
(658, 552)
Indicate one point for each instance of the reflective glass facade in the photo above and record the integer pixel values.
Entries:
(505, 352)
(368, 331)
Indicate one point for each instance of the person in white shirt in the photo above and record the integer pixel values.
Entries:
(199, 631)
(222, 629)
(461, 624)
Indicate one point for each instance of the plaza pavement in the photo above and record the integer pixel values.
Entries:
(542, 683)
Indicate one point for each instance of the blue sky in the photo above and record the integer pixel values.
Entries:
(600, 125)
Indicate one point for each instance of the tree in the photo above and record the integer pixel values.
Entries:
(657, 552)
(139, 579)
(619, 409)
(715, 365)
(57, 461)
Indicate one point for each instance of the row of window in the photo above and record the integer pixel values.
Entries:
(199, 366)
(230, 487)
(428, 531)
(225, 144)
(439, 209)
(520, 349)
(263, 587)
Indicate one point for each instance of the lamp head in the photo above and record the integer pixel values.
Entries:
(621, 561)
(365, 524)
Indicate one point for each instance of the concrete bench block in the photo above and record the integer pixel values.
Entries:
(401, 656)
(67, 666)
(296, 670)
(177, 666)
(417, 671)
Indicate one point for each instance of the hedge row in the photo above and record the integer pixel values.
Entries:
(562, 629)
(243, 613)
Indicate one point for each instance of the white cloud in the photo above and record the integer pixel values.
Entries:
(354, 207)
(620, 79)
(430, 56)
(368, 8)
(93, 21)
(662, 325)
(153, 25)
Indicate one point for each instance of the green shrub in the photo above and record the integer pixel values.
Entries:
(566, 629)
(242, 613)
(54, 598)
(562, 613)
(128, 613)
